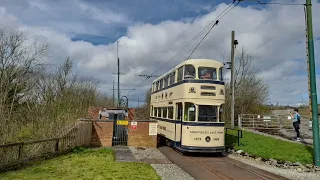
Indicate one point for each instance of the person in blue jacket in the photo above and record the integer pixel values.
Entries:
(296, 122)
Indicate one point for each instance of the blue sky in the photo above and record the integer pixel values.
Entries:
(145, 11)
(151, 31)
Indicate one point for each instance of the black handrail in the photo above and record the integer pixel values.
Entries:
(239, 134)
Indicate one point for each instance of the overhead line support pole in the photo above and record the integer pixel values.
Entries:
(313, 88)
(113, 100)
(118, 104)
(232, 79)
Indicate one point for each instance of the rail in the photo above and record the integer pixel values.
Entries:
(239, 134)
(21, 152)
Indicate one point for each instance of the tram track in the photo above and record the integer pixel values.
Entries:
(216, 168)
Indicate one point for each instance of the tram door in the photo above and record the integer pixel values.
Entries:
(179, 117)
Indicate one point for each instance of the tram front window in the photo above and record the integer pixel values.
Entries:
(207, 73)
(207, 113)
(189, 72)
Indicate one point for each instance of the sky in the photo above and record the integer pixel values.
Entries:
(150, 32)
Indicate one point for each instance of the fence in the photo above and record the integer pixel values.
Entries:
(21, 152)
(255, 121)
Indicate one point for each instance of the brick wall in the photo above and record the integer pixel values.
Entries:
(140, 136)
(102, 132)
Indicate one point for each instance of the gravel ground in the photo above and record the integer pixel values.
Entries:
(288, 173)
(147, 153)
(165, 171)
(171, 172)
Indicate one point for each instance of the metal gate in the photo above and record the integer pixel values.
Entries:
(120, 130)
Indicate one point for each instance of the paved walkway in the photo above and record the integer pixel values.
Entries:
(164, 167)
(123, 154)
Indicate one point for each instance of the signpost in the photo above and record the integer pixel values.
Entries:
(122, 122)
(153, 129)
(134, 125)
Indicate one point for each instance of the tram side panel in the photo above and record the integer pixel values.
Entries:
(203, 136)
(169, 130)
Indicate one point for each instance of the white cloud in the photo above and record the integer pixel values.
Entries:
(105, 16)
(271, 35)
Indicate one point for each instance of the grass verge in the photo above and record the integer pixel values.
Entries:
(268, 147)
(84, 164)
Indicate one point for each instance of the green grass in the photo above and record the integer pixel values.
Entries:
(84, 164)
(268, 147)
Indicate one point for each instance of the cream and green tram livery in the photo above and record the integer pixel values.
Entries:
(187, 103)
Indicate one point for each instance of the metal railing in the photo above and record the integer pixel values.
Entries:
(239, 134)
(255, 121)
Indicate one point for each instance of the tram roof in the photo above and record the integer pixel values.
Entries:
(202, 62)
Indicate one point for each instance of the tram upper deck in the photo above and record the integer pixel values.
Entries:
(198, 80)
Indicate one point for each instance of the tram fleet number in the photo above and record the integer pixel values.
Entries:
(199, 139)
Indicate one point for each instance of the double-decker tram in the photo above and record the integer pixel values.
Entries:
(187, 103)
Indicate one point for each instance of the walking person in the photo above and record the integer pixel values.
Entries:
(296, 122)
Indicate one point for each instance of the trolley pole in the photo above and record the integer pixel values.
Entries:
(313, 88)
(118, 104)
(232, 79)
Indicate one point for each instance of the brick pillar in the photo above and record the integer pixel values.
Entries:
(102, 132)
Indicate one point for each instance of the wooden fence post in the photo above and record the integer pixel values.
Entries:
(20, 152)
(57, 145)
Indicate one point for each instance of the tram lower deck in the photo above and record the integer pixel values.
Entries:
(192, 136)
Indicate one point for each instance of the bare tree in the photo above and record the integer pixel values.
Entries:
(143, 112)
(251, 92)
(37, 101)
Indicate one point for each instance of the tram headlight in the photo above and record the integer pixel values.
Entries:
(208, 139)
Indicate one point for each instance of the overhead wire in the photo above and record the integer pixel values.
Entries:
(210, 26)
(203, 38)
(210, 30)
(193, 39)
(275, 3)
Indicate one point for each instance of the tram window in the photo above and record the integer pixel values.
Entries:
(220, 74)
(207, 73)
(151, 110)
(180, 73)
(189, 114)
(166, 79)
(155, 112)
(172, 78)
(189, 72)
(161, 83)
(164, 112)
(207, 113)
(179, 111)
(170, 112)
